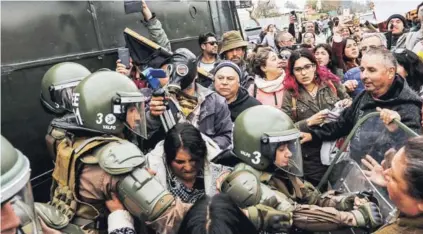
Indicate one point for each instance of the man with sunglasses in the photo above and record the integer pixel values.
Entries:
(209, 46)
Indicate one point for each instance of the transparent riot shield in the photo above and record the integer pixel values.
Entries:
(369, 137)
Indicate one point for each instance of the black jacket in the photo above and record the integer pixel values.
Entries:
(400, 97)
(242, 102)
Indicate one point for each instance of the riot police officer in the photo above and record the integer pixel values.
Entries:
(267, 142)
(91, 161)
(18, 212)
(56, 96)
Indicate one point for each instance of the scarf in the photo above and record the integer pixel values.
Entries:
(187, 103)
(269, 86)
(187, 195)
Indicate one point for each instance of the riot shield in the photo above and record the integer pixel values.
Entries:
(369, 137)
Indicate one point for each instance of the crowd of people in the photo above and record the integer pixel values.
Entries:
(239, 153)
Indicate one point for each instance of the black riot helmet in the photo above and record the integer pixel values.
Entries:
(181, 69)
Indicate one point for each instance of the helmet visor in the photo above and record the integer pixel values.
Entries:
(286, 151)
(132, 108)
(61, 94)
(18, 214)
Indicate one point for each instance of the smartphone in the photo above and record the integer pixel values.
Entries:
(132, 6)
(123, 54)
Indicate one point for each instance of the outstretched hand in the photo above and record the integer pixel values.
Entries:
(374, 171)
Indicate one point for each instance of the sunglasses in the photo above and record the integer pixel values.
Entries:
(399, 51)
(211, 43)
(284, 56)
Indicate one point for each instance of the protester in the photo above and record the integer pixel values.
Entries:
(208, 45)
(284, 55)
(310, 92)
(403, 179)
(191, 102)
(348, 55)
(182, 163)
(267, 87)
(216, 215)
(284, 39)
(269, 39)
(411, 39)
(234, 48)
(357, 33)
(410, 67)
(157, 34)
(309, 39)
(227, 83)
(352, 81)
(397, 27)
(324, 57)
(384, 89)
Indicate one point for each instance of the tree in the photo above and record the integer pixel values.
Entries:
(291, 5)
(263, 9)
(330, 6)
(266, 9)
(311, 3)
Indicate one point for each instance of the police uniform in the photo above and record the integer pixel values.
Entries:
(56, 93)
(91, 163)
(258, 132)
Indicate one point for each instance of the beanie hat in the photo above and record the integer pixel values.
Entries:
(398, 16)
(227, 63)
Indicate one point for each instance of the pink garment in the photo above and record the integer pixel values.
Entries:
(271, 99)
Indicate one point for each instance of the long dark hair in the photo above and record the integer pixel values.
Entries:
(346, 62)
(414, 67)
(322, 74)
(333, 63)
(184, 136)
(216, 215)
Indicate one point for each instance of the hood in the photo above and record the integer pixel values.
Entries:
(242, 97)
(400, 92)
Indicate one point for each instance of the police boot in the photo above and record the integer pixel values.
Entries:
(368, 216)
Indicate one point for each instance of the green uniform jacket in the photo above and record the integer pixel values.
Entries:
(403, 225)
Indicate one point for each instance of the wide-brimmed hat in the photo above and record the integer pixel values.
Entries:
(232, 40)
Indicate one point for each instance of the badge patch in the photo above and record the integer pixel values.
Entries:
(182, 70)
(110, 119)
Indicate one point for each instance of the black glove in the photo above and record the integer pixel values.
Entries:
(368, 216)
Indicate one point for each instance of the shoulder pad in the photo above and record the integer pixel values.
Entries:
(119, 157)
(243, 187)
(246, 167)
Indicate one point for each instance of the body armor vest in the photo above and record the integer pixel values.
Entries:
(71, 157)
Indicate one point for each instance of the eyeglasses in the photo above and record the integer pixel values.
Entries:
(211, 43)
(306, 68)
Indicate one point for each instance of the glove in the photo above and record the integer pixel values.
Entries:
(268, 219)
(347, 202)
(368, 216)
